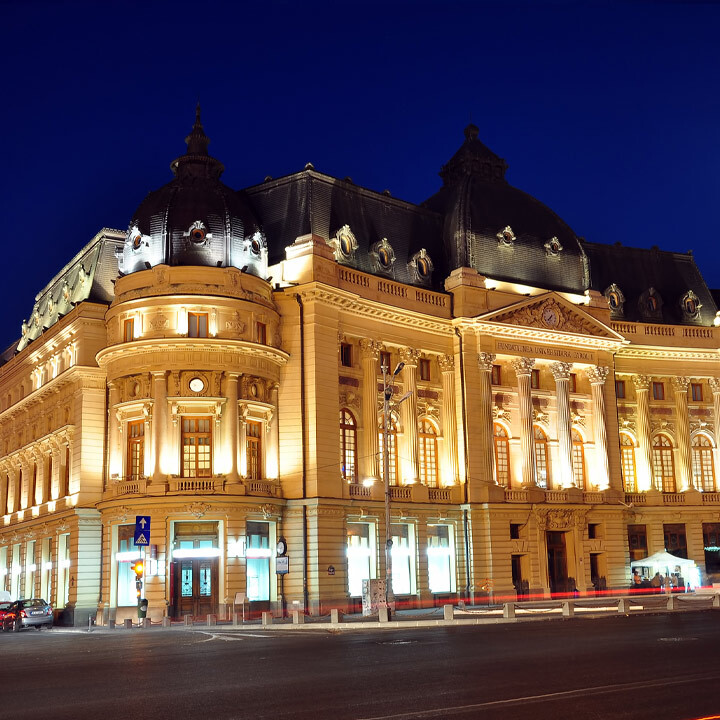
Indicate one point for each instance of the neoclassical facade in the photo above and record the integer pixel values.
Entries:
(220, 368)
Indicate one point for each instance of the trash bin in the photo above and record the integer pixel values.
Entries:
(142, 608)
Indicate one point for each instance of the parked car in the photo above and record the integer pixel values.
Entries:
(27, 613)
(3, 609)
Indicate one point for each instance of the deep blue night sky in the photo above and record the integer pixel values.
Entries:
(607, 112)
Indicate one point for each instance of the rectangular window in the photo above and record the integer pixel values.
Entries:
(385, 361)
(593, 531)
(441, 559)
(136, 449)
(261, 333)
(696, 390)
(658, 390)
(15, 571)
(514, 531)
(129, 329)
(63, 572)
(196, 447)
(197, 325)
(253, 444)
(496, 377)
(535, 379)
(711, 542)
(573, 383)
(359, 556)
(45, 568)
(258, 556)
(620, 389)
(675, 539)
(403, 558)
(127, 554)
(346, 354)
(30, 569)
(637, 542)
(424, 369)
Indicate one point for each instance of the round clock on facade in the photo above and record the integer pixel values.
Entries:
(281, 546)
(550, 316)
(197, 385)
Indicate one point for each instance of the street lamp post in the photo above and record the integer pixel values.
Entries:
(388, 390)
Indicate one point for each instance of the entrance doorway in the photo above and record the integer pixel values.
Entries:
(521, 585)
(557, 562)
(196, 581)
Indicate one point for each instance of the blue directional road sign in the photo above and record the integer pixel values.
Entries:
(142, 530)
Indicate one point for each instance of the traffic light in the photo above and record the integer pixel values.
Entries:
(138, 568)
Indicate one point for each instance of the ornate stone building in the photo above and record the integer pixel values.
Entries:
(219, 368)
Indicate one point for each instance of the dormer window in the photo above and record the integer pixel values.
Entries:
(506, 237)
(615, 300)
(197, 233)
(690, 305)
(421, 266)
(135, 238)
(344, 244)
(650, 304)
(553, 247)
(383, 255)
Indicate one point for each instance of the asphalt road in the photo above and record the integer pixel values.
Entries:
(650, 666)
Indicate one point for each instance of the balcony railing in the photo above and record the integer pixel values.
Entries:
(196, 485)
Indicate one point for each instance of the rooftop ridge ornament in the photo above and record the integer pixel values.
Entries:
(197, 162)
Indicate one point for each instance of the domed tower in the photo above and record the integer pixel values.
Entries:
(500, 231)
(195, 219)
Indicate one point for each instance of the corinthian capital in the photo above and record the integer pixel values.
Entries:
(370, 348)
(485, 361)
(681, 384)
(714, 385)
(446, 363)
(409, 356)
(597, 374)
(561, 370)
(641, 382)
(523, 365)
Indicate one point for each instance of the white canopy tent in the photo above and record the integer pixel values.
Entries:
(666, 564)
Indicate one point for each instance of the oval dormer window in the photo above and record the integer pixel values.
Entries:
(614, 300)
(255, 246)
(423, 267)
(384, 257)
(652, 303)
(197, 235)
(346, 244)
(137, 242)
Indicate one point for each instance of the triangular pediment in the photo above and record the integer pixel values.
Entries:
(551, 312)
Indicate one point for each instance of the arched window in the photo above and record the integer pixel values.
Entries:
(627, 460)
(502, 455)
(542, 461)
(428, 454)
(663, 463)
(348, 446)
(702, 463)
(394, 469)
(578, 459)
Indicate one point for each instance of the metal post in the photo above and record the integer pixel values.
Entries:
(387, 391)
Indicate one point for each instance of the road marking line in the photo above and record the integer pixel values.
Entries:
(581, 692)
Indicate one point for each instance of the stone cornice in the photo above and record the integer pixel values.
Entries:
(373, 310)
(668, 353)
(171, 345)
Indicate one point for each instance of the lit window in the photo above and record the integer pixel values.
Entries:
(135, 449)
(578, 459)
(424, 369)
(620, 389)
(196, 447)
(403, 558)
(658, 390)
(573, 383)
(663, 463)
(359, 555)
(502, 455)
(197, 325)
(261, 333)
(348, 445)
(627, 458)
(428, 454)
(394, 470)
(346, 354)
(702, 463)
(535, 379)
(696, 391)
(542, 468)
(441, 559)
(253, 449)
(496, 376)
(129, 330)
(258, 556)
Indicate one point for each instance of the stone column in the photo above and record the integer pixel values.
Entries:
(680, 386)
(561, 373)
(369, 467)
(715, 387)
(409, 464)
(272, 456)
(449, 421)
(597, 376)
(523, 370)
(645, 479)
(158, 423)
(4, 491)
(57, 458)
(242, 420)
(13, 502)
(231, 424)
(116, 454)
(485, 362)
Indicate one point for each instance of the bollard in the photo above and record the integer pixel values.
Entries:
(237, 619)
(298, 617)
(448, 612)
(671, 602)
(383, 614)
(568, 609)
(166, 622)
(267, 618)
(335, 616)
(716, 601)
(111, 624)
(127, 623)
(145, 622)
(509, 610)
(211, 619)
(623, 605)
(188, 619)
